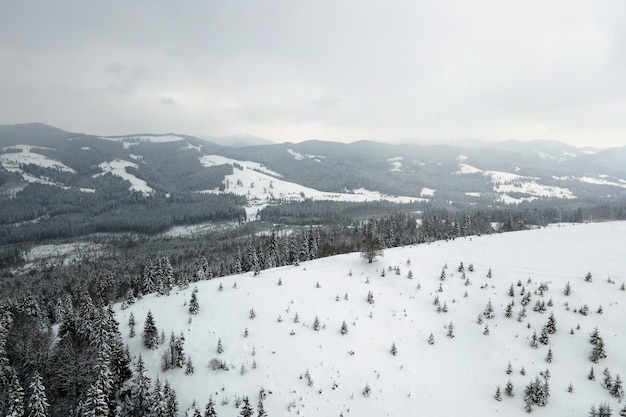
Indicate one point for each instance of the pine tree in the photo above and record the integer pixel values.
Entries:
(158, 407)
(246, 409)
(37, 402)
(549, 356)
(194, 307)
(316, 324)
(509, 389)
(171, 409)
(488, 313)
(344, 328)
(209, 411)
(394, 350)
(591, 376)
(14, 394)
(150, 333)
(450, 331)
(568, 289)
(370, 297)
(498, 395)
(220, 348)
(189, 369)
(616, 388)
(131, 325)
(431, 339)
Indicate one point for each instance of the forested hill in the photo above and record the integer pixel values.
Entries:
(55, 183)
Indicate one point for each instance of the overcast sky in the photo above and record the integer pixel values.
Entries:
(291, 70)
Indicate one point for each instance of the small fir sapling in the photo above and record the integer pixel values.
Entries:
(568, 289)
(486, 331)
(370, 297)
(220, 287)
(410, 274)
(511, 291)
(280, 281)
(570, 388)
(471, 267)
(252, 313)
(588, 277)
(394, 350)
(344, 328)
(592, 375)
(296, 318)
(442, 277)
(317, 285)
(450, 330)
(189, 369)
(498, 395)
(508, 389)
(220, 348)
(509, 369)
(549, 356)
(316, 324)
(367, 391)
(345, 297)
(431, 339)
(607, 381)
(488, 313)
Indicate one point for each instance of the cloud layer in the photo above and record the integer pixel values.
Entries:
(337, 70)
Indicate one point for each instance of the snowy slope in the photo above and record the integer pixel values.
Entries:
(118, 167)
(455, 376)
(261, 186)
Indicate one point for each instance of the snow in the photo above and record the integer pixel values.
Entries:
(602, 181)
(506, 182)
(461, 158)
(198, 229)
(427, 192)
(472, 194)
(301, 157)
(262, 186)
(455, 376)
(118, 167)
(11, 161)
(396, 163)
(128, 141)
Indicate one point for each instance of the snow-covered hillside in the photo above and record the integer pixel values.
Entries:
(261, 186)
(325, 373)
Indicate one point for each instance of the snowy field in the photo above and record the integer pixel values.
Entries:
(452, 377)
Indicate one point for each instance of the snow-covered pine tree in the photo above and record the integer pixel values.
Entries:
(617, 389)
(316, 324)
(209, 411)
(37, 402)
(344, 328)
(509, 389)
(171, 402)
(131, 325)
(498, 395)
(394, 349)
(150, 333)
(194, 307)
(220, 348)
(246, 409)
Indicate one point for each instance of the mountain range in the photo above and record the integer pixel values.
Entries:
(81, 183)
(501, 172)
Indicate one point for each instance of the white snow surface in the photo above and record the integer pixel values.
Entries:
(11, 161)
(301, 157)
(261, 186)
(396, 164)
(506, 182)
(427, 192)
(118, 167)
(455, 376)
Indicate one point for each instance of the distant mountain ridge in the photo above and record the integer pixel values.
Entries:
(494, 173)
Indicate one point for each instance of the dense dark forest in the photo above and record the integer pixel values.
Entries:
(60, 347)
